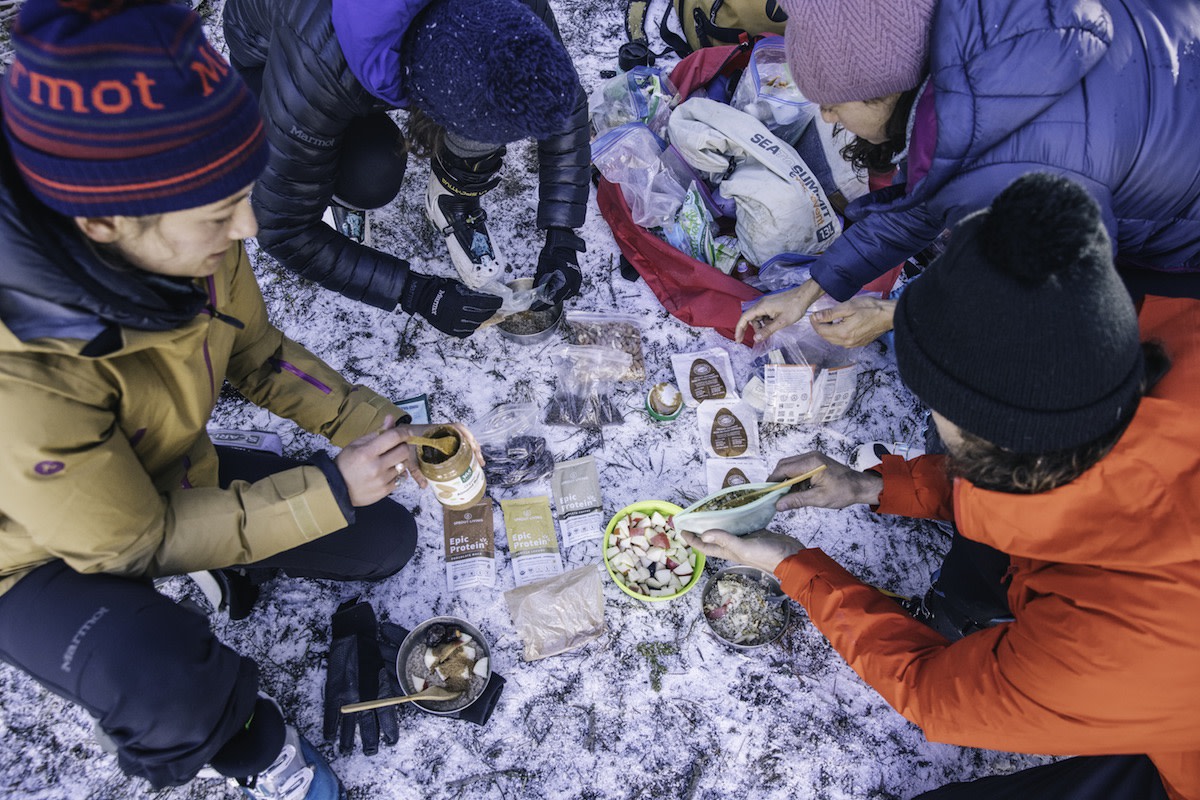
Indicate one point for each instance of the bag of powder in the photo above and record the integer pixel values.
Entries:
(706, 375)
(532, 544)
(576, 489)
(470, 551)
(558, 614)
(728, 430)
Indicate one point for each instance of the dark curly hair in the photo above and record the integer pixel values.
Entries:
(422, 136)
(993, 468)
(878, 157)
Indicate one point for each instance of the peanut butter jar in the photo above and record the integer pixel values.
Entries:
(457, 479)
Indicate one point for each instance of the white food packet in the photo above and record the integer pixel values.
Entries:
(728, 429)
(706, 375)
(721, 473)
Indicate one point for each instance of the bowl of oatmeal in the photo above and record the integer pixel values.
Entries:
(745, 607)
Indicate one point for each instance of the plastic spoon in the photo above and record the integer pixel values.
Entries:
(428, 693)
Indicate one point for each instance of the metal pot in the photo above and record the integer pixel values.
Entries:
(410, 658)
(554, 314)
(769, 582)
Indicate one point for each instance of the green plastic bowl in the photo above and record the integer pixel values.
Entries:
(648, 507)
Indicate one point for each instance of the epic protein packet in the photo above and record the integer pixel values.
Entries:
(532, 544)
(576, 489)
(470, 551)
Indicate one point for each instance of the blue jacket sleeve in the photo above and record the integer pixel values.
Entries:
(872, 246)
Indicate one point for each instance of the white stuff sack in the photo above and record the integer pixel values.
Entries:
(780, 204)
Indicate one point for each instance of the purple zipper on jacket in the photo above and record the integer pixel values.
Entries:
(284, 366)
(184, 482)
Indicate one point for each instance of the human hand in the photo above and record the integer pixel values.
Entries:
(447, 304)
(856, 322)
(776, 311)
(558, 265)
(762, 549)
(837, 486)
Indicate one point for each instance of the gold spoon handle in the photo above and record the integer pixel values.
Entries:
(444, 445)
(797, 479)
(425, 694)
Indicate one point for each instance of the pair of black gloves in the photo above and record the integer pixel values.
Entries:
(362, 666)
(454, 309)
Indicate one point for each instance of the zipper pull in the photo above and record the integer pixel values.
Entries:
(228, 320)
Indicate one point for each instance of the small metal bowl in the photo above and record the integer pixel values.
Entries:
(769, 583)
(411, 654)
(530, 327)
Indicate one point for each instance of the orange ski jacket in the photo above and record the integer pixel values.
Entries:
(1103, 655)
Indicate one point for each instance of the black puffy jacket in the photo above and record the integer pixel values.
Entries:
(309, 97)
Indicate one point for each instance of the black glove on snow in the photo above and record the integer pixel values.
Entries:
(448, 305)
(558, 265)
(358, 669)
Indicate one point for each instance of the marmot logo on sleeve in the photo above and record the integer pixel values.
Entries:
(49, 467)
(305, 136)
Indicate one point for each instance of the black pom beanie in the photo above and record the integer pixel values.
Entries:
(1021, 332)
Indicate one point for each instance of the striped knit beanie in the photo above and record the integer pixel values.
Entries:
(120, 107)
(843, 51)
(490, 71)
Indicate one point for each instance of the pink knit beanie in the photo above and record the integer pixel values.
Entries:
(841, 51)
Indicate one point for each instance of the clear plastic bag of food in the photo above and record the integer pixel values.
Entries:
(799, 378)
(618, 331)
(643, 94)
(583, 395)
(629, 156)
(767, 92)
(513, 446)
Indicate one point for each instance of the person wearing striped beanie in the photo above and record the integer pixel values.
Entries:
(129, 151)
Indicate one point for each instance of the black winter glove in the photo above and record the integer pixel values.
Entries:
(448, 305)
(359, 670)
(558, 265)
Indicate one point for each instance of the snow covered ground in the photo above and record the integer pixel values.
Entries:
(787, 721)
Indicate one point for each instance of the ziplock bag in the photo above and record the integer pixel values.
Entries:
(582, 397)
(628, 156)
(643, 94)
(767, 92)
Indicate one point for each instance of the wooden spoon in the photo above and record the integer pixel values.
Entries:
(446, 445)
(428, 693)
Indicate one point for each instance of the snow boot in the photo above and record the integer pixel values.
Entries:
(298, 773)
(452, 204)
(352, 223)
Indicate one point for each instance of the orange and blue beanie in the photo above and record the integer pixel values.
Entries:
(116, 107)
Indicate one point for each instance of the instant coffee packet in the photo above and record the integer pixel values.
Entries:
(576, 490)
(470, 552)
(721, 473)
(706, 375)
(728, 429)
(532, 543)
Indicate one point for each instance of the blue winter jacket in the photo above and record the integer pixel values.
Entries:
(1104, 92)
(324, 64)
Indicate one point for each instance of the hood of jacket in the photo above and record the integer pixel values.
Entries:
(371, 35)
(53, 285)
(1143, 488)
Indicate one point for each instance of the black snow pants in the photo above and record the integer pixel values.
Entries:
(1080, 778)
(161, 686)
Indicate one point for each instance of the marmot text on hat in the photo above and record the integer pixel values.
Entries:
(490, 71)
(1022, 332)
(124, 108)
(842, 51)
